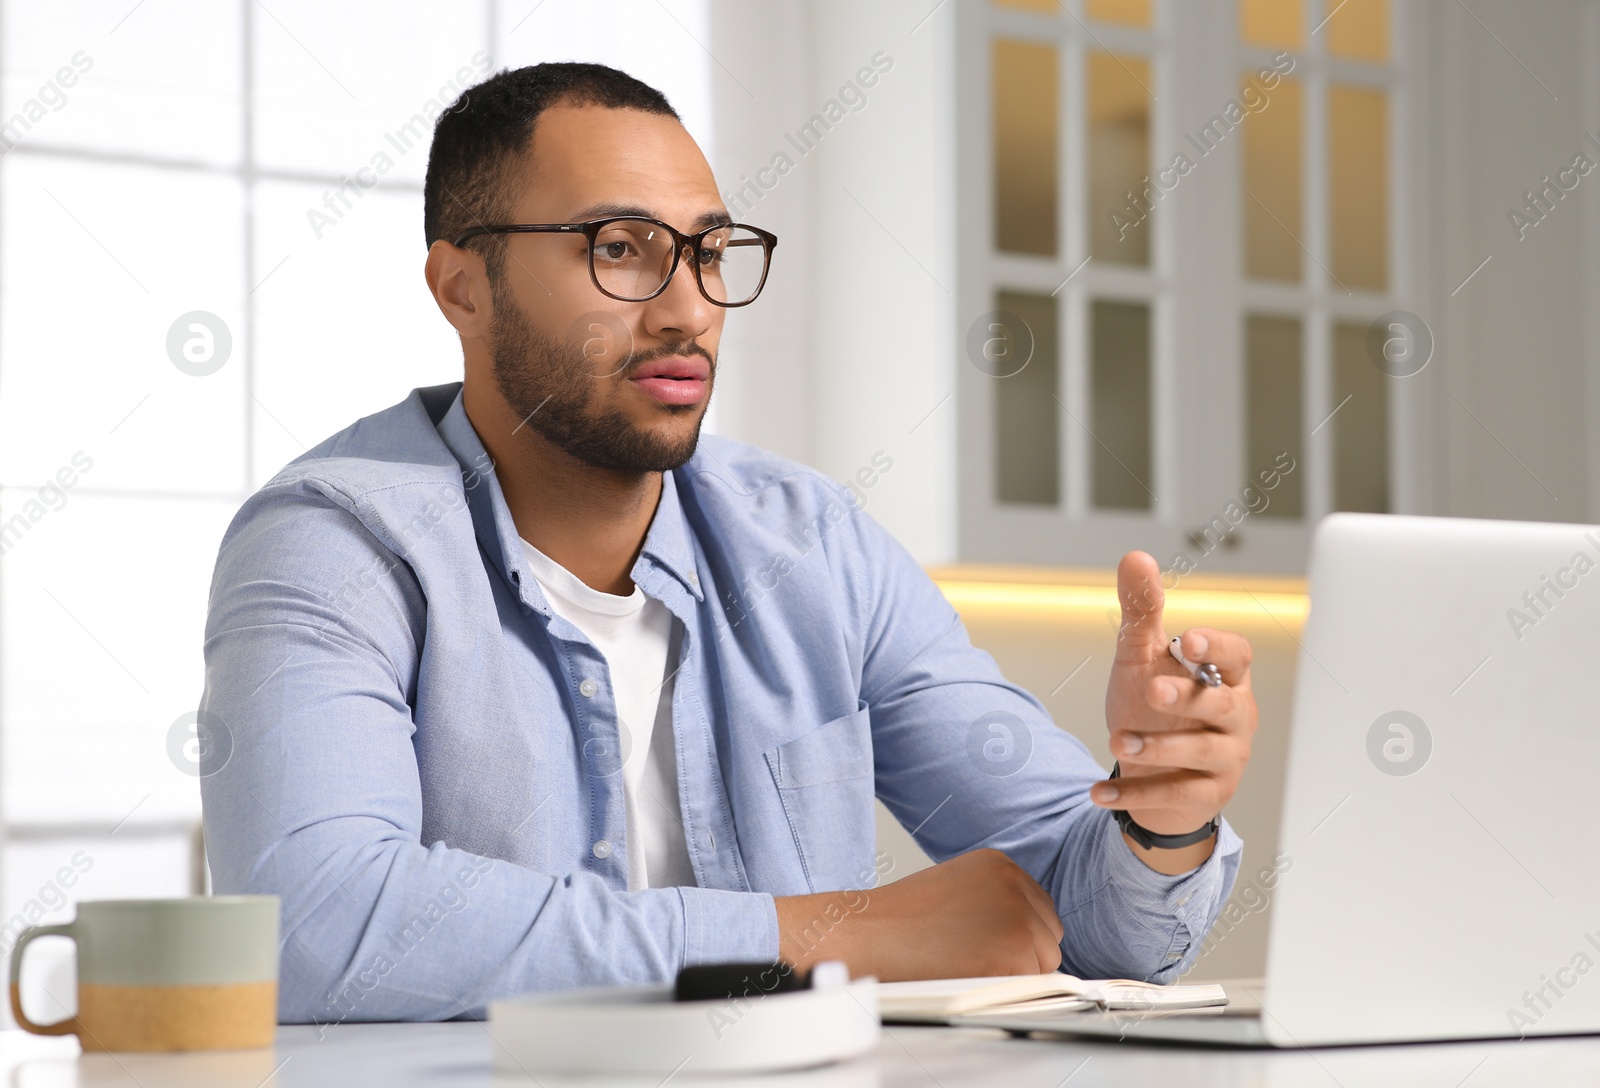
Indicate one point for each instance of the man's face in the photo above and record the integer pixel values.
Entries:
(617, 385)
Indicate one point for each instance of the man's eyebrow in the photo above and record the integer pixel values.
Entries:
(601, 211)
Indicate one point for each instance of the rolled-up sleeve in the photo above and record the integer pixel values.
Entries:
(313, 636)
(1136, 917)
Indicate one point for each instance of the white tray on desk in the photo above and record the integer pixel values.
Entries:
(642, 1030)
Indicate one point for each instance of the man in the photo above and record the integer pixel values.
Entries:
(523, 683)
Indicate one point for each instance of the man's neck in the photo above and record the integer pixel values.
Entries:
(590, 520)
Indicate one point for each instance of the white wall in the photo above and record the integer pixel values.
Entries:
(848, 353)
(1518, 346)
(764, 377)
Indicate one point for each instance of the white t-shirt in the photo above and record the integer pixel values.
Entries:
(635, 635)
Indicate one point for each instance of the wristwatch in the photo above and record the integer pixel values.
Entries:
(1149, 839)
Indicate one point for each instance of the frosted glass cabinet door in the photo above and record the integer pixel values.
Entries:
(1022, 350)
(1193, 201)
(1119, 157)
(1025, 147)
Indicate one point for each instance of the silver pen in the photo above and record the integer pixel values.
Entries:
(1207, 674)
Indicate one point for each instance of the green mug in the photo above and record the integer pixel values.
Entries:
(167, 974)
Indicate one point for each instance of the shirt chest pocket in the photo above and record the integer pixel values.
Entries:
(825, 782)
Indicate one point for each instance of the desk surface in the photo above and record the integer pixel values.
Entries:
(460, 1053)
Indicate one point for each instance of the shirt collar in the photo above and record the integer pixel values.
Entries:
(668, 543)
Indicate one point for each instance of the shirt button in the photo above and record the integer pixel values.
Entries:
(602, 849)
(694, 579)
(587, 688)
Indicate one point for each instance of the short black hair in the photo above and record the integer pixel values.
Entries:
(479, 141)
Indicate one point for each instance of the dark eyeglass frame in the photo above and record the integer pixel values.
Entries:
(593, 227)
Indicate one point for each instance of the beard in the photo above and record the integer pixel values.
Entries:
(551, 383)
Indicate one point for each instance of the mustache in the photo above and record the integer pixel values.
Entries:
(666, 351)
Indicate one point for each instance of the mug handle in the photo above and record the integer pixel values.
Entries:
(60, 1027)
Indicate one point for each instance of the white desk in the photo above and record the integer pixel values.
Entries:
(403, 1055)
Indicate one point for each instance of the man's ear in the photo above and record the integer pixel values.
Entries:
(460, 286)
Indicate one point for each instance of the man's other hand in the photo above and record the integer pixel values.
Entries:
(976, 914)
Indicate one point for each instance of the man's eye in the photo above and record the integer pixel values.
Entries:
(709, 256)
(614, 251)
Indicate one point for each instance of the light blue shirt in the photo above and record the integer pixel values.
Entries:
(423, 760)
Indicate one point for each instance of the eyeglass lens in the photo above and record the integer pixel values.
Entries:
(633, 257)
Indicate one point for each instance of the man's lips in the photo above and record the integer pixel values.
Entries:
(689, 367)
(678, 379)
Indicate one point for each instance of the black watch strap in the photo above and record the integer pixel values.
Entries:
(1149, 839)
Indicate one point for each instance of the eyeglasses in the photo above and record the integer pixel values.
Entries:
(632, 258)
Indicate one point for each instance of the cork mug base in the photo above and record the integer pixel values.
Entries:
(234, 1017)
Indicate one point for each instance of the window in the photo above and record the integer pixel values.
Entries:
(204, 275)
(1096, 173)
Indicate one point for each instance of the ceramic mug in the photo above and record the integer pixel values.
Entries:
(167, 974)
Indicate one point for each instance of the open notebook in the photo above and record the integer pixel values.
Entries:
(937, 1001)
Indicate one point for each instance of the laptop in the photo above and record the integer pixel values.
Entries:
(1442, 801)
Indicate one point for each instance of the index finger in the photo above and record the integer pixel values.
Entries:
(1227, 650)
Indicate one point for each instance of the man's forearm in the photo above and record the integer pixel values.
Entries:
(825, 926)
(402, 932)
